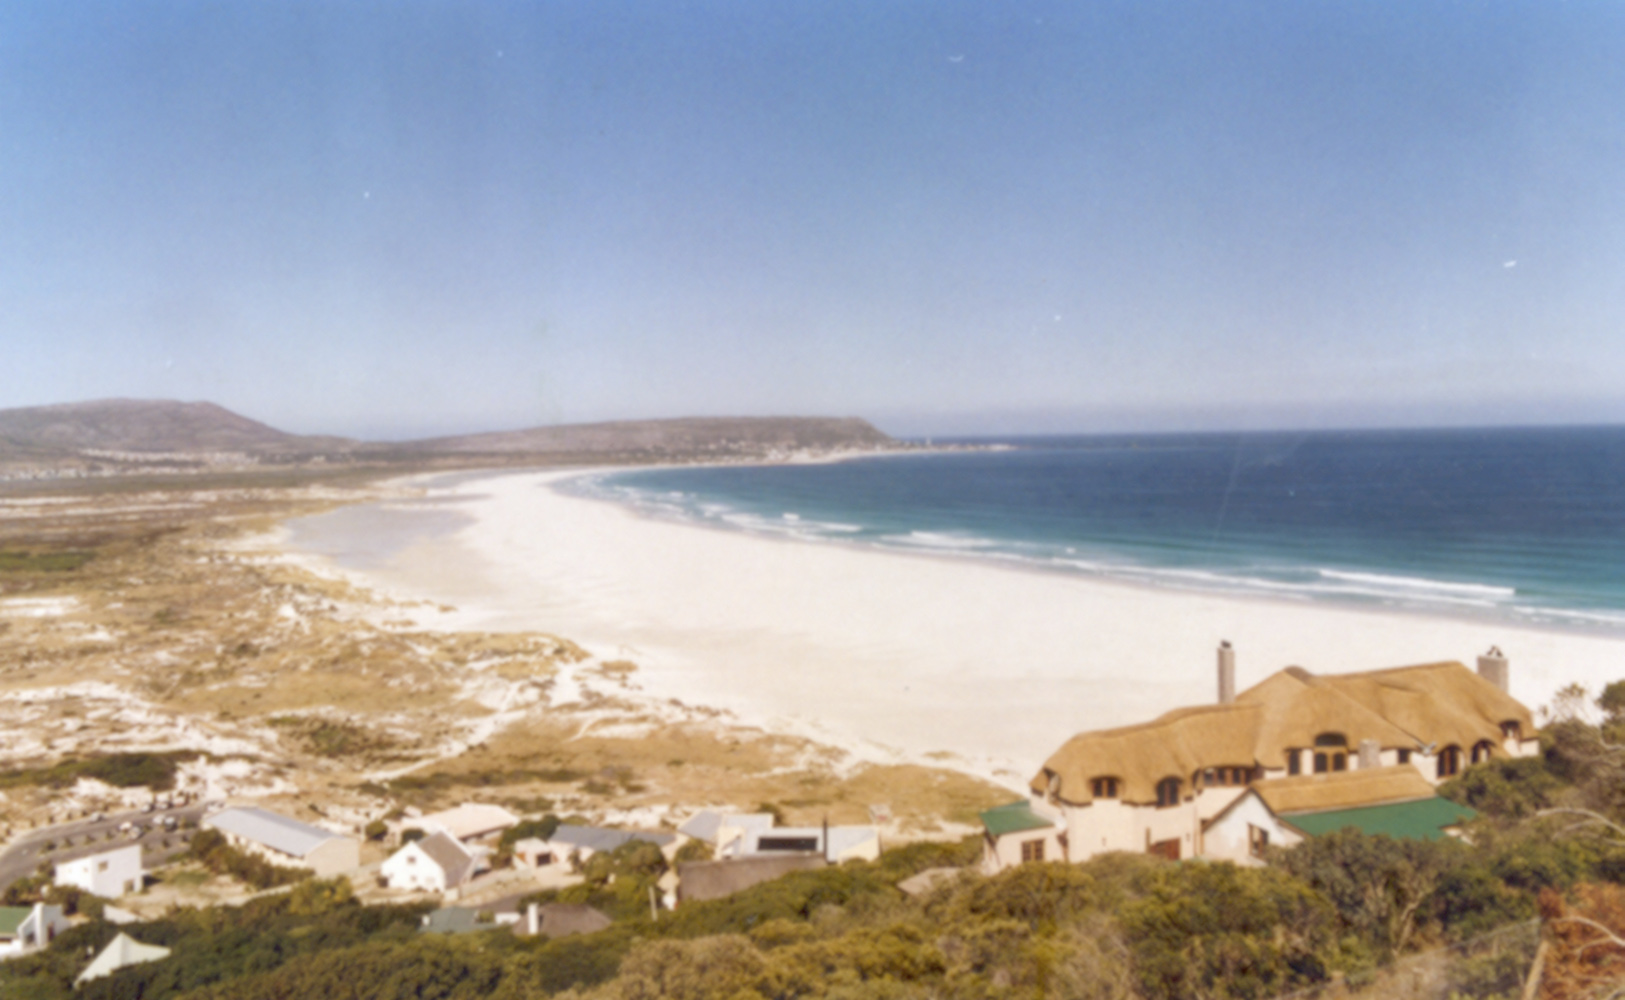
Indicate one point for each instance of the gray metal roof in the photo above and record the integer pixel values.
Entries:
(446, 852)
(598, 838)
(271, 829)
(703, 826)
(707, 824)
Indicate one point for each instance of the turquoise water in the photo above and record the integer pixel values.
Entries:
(1524, 525)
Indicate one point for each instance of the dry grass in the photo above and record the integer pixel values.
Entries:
(161, 630)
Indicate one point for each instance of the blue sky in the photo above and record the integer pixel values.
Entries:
(395, 219)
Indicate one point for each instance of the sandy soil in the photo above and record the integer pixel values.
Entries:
(172, 621)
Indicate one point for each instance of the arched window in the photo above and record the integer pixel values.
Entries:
(1449, 761)
(1331, 753)
(1511, 729)
(1482, 750)
(1167, 793)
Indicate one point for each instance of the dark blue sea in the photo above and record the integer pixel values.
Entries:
(1513, 524)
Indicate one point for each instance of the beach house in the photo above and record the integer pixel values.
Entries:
(745, 835)
(1229, 780)
(471, 822)
(108, 874)
(25, 929)
(570, 843)
(121, 952)
(436, 863)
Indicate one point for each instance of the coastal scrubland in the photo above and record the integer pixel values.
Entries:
(163, 628)
(1341, 916)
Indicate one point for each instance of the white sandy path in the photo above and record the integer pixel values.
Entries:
(919, 653)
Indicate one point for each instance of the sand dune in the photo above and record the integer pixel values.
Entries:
(918, 653)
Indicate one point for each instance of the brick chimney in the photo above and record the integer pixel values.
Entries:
(1492, 666)
(1227, 672)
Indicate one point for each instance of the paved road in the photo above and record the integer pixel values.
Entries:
(90, 836)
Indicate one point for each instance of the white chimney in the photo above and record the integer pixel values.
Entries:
(1227, 672)
(1493, 667)
(1370, 754)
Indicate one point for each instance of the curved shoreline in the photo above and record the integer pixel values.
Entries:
(995, 665)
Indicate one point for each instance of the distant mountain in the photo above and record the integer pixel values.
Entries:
(114, 435)
(136, 425)
(687, 435)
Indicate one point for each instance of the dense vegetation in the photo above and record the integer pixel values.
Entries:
(22, 561)
(1548, 844)
(121, 770)
(209, 847)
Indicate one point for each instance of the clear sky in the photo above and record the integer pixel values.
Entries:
(392, 219)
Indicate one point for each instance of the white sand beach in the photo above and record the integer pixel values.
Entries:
(919, 654)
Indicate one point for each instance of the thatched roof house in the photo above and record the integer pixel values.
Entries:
(1295, 755)
(1405, 710)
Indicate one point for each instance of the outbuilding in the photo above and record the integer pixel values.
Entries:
(108, 874)
(286, 842)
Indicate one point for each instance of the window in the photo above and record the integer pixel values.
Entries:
(1325, 761)
(1258, 840)
(1103, 788)
(1404, 756)
(1167, 793)
(1482, 750)
(1294, 762)
(1511, 730)
(1226, 777)
(1335, 756)
(101, 866)
(1032, 850)
(1449, 762)
(787, 844)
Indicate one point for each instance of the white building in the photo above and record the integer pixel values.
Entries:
(747, 835)
(434, 864)
(469, 822)
(578, 843)
(25, 929)
(286, 842)
(109, 874)
(123, 950)
(1175, 786)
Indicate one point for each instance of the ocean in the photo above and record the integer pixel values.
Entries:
(1521, 525)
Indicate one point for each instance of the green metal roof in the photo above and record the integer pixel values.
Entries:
(12, 917)
(1013, 818)
(1419, 819)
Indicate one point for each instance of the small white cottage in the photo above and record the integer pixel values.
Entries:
(434, 864)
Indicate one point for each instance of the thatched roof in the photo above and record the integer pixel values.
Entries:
(1443, 703)
(1343, 789)
(1401, 708)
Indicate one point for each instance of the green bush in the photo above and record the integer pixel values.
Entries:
(1219, 931)
(1506, 789)
(209, 847)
